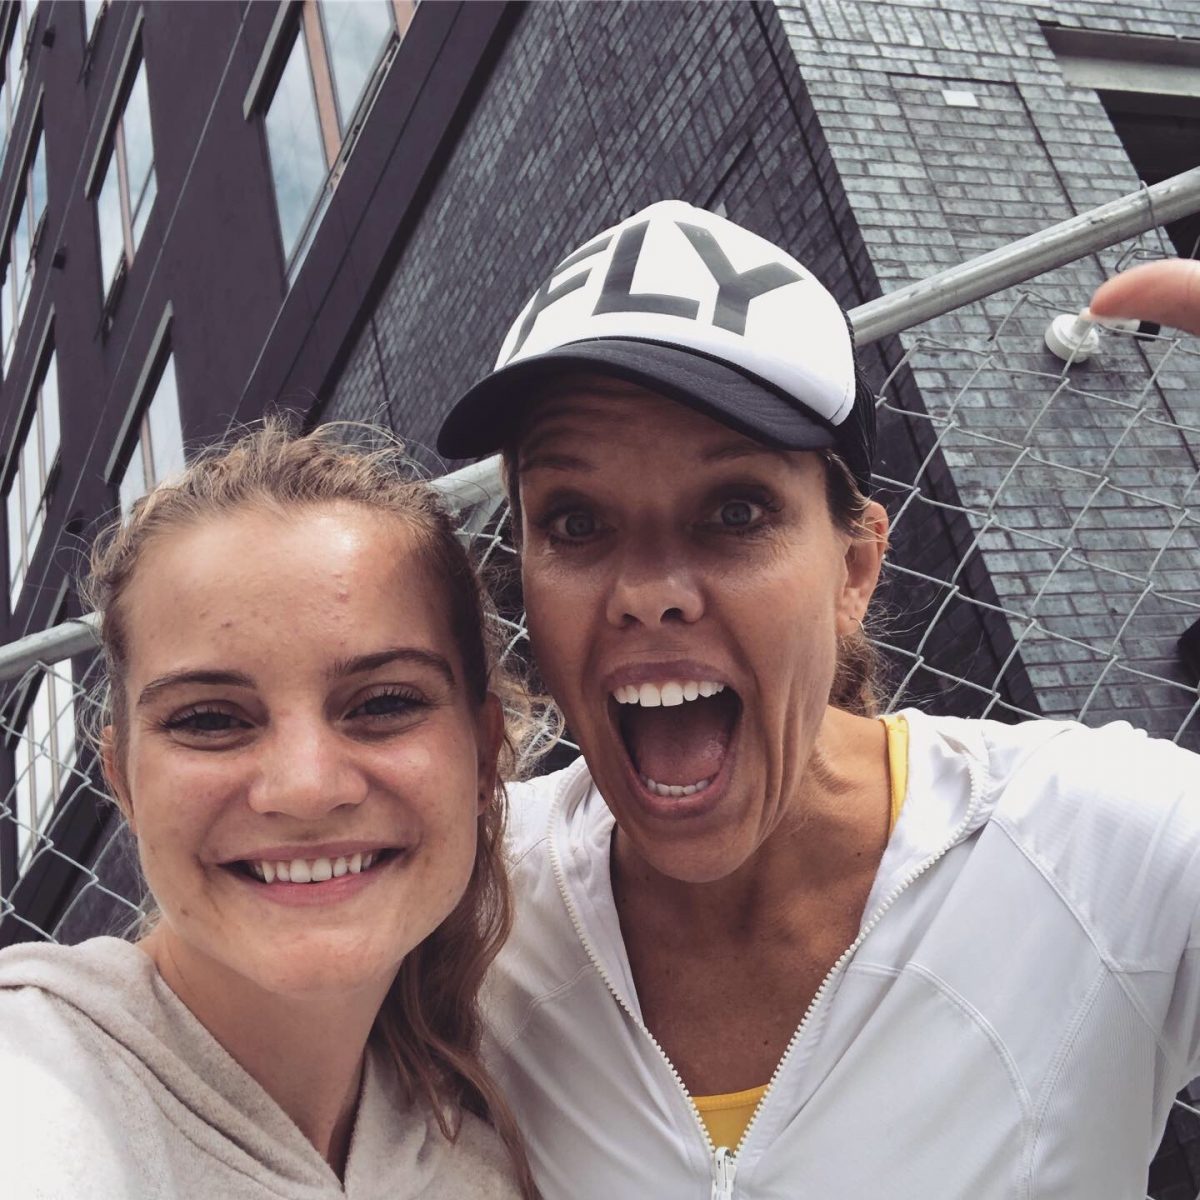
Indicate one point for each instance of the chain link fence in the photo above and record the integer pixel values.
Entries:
(1046, 536)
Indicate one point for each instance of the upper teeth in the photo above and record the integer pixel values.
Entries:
(651, 695)
(311, 870)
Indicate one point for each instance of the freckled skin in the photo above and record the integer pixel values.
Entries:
(281, 599)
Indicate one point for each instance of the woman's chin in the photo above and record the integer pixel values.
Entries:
(311, 964)
(320, 978)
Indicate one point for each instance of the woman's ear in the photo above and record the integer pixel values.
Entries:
(110, 764)
(864, 561)
(490, 739)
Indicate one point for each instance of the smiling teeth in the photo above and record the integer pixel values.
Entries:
(650, 695)
(311, 870)
(674, 789)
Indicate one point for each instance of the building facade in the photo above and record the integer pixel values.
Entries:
(216, 210)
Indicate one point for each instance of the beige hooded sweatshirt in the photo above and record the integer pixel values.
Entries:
(110, 1089)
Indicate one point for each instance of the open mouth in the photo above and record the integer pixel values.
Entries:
(312, 870)
(677, 734)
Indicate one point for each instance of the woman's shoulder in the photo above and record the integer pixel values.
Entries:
(58, 985)
(1108, 815)
(1077, 763)
(57, 1110)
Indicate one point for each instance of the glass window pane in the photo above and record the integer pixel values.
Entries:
(22, 795)
(141, 205)
(49, 412)
(12, 69)
(108, 216)
(166, 433)
(139, 152)
(63, 693)
(356, 32)
(12, 512)
(133, 482)
(43, 764)
(20, 241)
(31, 483)
(37, 182)
(298, 164)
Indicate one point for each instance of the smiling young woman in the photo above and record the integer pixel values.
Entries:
(303, 731)
(770, 945)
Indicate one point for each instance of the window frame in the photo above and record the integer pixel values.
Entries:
(145, 390)
(303, 20)
(35, 150)
(111, 155)
(15, 37)
(139, 441)
(32, 423)
(32, 815)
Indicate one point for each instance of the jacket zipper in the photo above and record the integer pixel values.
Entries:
(724, 1169)
(723, 1159)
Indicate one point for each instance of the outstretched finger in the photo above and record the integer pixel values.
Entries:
(1167, 292)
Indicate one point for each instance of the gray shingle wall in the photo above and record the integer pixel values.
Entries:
(1077, 488)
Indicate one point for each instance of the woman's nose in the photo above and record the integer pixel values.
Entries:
(651, 588)
(306, 773)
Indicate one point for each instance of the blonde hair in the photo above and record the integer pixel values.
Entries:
(430, 1021)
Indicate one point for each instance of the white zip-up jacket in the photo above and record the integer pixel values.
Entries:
(1013, 1020)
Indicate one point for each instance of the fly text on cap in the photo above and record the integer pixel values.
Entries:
(735, 289)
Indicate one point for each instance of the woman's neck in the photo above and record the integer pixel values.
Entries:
(305, 1052)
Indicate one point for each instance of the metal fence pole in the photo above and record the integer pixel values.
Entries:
(1093, 230)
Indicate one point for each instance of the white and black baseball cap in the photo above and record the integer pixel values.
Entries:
(687, 304)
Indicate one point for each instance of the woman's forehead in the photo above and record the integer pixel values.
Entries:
(584, 426)
(605, 414)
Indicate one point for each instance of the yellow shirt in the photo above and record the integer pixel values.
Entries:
(727, 1116)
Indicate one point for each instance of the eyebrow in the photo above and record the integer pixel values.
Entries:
(363, 663)
(744, 449)
(176, 678)
(359, 665)
(553, 462)
(726, 452)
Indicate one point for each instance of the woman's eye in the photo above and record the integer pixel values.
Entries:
(575, 526)
(387, 704)
(205, 721)
(739, 514)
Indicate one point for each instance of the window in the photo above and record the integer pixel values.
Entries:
(126, 193)
(43, 756)
(28, 490)
(13, 42)
(92, 11)
(158, 451)
(326, 78)
(21, 247)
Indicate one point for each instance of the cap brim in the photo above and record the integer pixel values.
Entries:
(486, 418)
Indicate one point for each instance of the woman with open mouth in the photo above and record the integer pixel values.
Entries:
(301, 727)
(771, 946)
